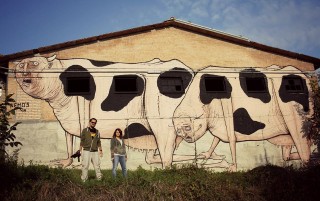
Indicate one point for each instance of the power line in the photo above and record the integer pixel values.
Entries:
(251, 70)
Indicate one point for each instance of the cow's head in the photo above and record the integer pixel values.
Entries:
(197, 111)
(190, 127)
(29, 74)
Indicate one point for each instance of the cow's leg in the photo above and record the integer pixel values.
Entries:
(166, 145)
(287, 155)
(152, 158)
(294, 124)
(166, 149)
(286, 143)
(178, 141)
(227, 109)
(210, 153)
(66, 162)
(222, 164)
(303, 149)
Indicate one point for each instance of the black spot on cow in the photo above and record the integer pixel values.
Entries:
(118, 97)
(255, 84)
(78, 74)
(101, 63)
(214, 87)
(135, 130)
(294, 88)
(174, 82)
(244, 124)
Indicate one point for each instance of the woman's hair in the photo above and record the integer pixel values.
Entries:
(120, 131)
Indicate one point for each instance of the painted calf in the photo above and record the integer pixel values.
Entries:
(145, 113)
(253, 104)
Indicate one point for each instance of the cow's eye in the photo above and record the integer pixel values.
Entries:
(187, 128)
(21, 65)
(35, 63)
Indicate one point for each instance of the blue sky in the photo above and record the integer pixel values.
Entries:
(287, 24)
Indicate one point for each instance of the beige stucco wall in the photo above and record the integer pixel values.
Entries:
(194, 50)
(43, 142)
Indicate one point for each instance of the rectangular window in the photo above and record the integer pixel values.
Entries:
(256, 84)
(125, 84)
(293, 85)
(78, 85)
(170, 85)
(215, 84)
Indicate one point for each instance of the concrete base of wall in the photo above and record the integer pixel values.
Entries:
(44, 142)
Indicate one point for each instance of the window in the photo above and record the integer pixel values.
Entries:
(293, 84)
(256, 84)
(215, 84)
(171, 85)
(125, 84)
(78, 85)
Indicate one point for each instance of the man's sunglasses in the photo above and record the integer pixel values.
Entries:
(93, 122)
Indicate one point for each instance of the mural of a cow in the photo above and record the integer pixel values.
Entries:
(144, 113)
(247, 105)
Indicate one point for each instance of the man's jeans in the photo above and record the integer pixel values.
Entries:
(116, 160)
(88, 157)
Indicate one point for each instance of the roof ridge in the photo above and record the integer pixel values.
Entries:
(207, 28)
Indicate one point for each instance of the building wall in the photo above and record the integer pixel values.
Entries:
(194, 50)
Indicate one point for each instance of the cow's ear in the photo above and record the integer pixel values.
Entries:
(16, 62)
(51, 58)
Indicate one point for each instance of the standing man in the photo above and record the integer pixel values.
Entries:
(91, 143)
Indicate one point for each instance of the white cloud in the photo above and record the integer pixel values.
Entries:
(291, 25)
(288, 24)
(199, 8)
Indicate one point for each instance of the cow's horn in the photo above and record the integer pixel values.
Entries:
(51, 58)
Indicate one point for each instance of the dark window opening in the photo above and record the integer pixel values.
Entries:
(256, 84)
(215, 84)
(125, 84)
(171, 84)
(78, 85)
(293, 84)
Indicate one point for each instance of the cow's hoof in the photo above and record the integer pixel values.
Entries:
(232, 168)
(206, 155)
(152, 159)
(62, 162)
(213, 156)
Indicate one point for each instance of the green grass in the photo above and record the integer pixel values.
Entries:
(36, 182)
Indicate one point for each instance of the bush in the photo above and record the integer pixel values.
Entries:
(36, 182)
(7, 137)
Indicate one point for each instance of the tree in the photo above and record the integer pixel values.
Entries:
(7, 138)
(314, 120)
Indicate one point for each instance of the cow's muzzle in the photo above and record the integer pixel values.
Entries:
(187, 132)
(184, 131)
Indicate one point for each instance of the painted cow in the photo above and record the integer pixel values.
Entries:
(247, 105)
(145, 112)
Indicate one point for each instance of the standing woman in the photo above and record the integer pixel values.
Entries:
(118, 153)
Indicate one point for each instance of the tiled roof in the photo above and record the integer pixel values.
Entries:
(172, 22)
